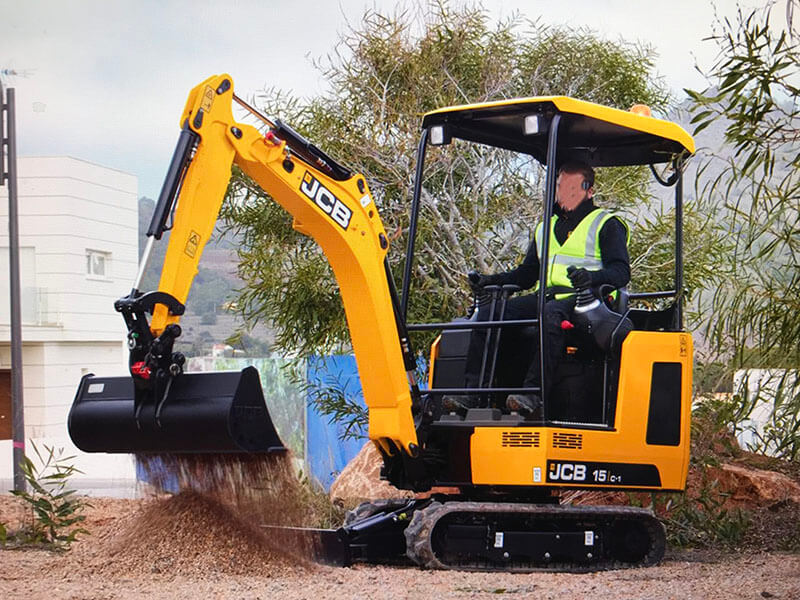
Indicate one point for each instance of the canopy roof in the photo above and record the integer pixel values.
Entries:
(589, 132)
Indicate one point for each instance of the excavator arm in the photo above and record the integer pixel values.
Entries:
(326, 202)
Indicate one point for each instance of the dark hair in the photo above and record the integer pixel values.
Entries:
(578, 167)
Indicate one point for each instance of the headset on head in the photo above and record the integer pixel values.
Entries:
(585, 184)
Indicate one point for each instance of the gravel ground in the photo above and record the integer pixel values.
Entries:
(117, 562)
(40, 575)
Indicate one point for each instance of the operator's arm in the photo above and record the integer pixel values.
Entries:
(616, 269)
(526, 275)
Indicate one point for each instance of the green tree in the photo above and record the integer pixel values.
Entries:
(479, 205)
(751, 305)
(752, 89)
(247, 345)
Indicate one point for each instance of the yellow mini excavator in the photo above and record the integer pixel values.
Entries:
(616, 419)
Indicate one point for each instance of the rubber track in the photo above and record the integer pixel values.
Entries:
(419, 535)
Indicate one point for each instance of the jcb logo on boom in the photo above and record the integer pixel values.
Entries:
(325, 199)
(559, 471)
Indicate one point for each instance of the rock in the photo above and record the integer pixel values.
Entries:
(754, 487)
(361, 480)
(737, 486)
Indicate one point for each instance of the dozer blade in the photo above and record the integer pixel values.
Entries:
(222, 411)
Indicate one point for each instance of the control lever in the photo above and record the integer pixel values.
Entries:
(592, 316)
(585, 300)
(478, 299)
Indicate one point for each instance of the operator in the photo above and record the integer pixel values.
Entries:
(592, 240)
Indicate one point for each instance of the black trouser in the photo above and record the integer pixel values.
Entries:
(521, 343)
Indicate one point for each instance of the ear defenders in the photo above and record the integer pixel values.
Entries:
(585, 185)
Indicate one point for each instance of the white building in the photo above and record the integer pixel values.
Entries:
(78, 253)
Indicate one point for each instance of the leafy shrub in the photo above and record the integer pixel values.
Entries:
(54, 511)
(702, 520)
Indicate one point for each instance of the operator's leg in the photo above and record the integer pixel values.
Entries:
(555, 311)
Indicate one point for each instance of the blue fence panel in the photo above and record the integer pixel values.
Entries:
(326, 453)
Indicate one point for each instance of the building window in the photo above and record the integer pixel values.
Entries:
(98, 264)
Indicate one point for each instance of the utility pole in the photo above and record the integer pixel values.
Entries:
(8, 173)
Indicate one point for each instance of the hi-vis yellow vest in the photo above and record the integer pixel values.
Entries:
(580, 249)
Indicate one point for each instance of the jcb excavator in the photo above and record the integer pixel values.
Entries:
(617, 418)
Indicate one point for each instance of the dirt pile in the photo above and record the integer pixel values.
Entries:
(749, 486)
(186, 534)
(360, 480)
(213, 522)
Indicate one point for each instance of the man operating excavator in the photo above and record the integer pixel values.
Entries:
(583, 236)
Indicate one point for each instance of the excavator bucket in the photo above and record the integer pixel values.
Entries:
(216, 412)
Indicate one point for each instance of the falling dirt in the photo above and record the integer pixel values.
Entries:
(206, 518)
(259, 488)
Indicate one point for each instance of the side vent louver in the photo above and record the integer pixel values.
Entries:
(521, 439)
(572, 441)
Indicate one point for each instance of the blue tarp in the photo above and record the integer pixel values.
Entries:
(326, 453)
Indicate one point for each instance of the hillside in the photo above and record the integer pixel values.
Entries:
(206, 321)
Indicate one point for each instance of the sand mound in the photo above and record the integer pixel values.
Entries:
(213, 524)
(186, 534)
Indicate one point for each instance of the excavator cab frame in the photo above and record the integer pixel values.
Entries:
(554, 130)
(641, 438)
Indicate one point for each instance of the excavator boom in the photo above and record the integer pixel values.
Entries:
(141, 413)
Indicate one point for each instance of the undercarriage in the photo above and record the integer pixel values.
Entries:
(471, 535)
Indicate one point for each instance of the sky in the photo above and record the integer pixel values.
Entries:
(107, 80)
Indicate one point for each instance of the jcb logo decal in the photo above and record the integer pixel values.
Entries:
(559, 471)
(325, 199)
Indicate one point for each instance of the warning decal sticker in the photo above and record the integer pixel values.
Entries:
(208, 99)
(192, 244)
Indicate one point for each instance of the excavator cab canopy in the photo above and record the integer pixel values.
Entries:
(598, 135)
(554, 130)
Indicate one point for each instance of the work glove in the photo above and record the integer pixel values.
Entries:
(477, 282)
(579, 278)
